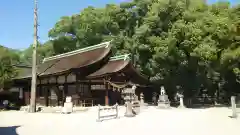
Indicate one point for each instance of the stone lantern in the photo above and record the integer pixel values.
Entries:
(129, 94)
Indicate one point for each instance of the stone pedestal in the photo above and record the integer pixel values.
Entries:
(68, 107)
(136, 107)
(129, 111)
(181, 103)
(163, 101)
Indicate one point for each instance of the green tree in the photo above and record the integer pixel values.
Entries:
(43, 50)
(7, 71)
(186, 43)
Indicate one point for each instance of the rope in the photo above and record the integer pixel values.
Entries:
(117, 86)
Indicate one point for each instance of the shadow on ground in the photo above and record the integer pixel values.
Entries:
(8, 130)
(196, 106)
(200, 106)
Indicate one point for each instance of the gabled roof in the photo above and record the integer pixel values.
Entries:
(24, 72)
(117, 64)
(82, 50)
(75, 59)
(114, 65)
(72, 60)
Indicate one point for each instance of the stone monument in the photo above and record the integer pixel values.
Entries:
(68, 106)
(163, 101)
(162, 92)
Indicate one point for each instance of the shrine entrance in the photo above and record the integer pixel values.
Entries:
(114, 97)
(115, 92)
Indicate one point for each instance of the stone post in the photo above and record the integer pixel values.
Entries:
(233, 103)
(141, 98)
(129, 111)
(99, 115)
(68, 106)
(181, 102)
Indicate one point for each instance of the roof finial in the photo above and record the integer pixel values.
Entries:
(108, 43)
(126, 56)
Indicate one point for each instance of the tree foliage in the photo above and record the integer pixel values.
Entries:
(7, 59)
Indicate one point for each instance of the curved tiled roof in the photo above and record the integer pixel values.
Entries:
(118, 64)
(72, 60)
(75, 59)
(115, 64)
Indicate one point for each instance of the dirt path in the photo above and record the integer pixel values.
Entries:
(213, 121)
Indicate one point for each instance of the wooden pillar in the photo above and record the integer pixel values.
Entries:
(58, 93)
(77, 89)
(63, 96)
(43, 91)
(65, 85)
(27, 95)
(106, 95)
(89, 89)
(65, 89)
(106, 98)
(46, 89)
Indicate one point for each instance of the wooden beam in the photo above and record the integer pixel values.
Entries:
(106, 95)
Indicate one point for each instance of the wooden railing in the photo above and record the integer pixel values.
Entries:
(103, 114)
(85, 102)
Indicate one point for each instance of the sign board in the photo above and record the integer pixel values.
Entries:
(61, 79)
(128, 90)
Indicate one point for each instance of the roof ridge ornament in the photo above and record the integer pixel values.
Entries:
(108, 43)
(126, 56)
(120, 57)
(104, 44)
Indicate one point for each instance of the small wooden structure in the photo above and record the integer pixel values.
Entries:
(102, 112)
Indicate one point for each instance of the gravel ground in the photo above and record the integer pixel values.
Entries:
(211, 121)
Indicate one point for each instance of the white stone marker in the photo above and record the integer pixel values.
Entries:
(68, 105)
(181, 102)
(233, 103)
(142, 99)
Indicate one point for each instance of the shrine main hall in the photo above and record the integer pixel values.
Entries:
(90, 75)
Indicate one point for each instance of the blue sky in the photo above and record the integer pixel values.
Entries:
(16, 24)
